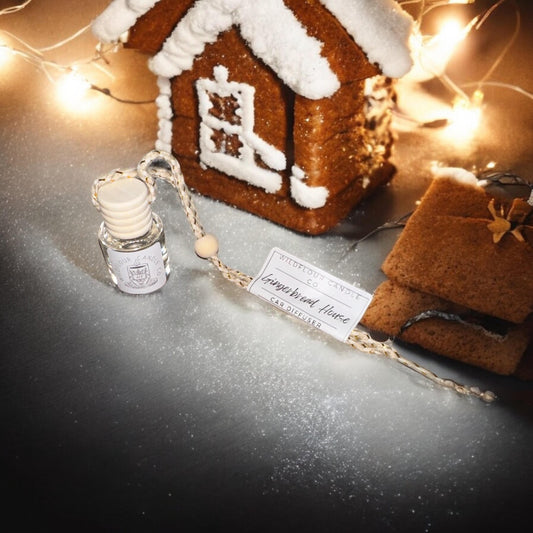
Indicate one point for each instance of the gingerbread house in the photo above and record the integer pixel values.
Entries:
(278, 107)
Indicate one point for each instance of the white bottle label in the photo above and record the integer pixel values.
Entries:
(310, 294)
(139, 272)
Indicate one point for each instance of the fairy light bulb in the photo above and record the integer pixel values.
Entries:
(450, 34)
(5, 54)
(465, 117)
(432, 54)
(72, 89)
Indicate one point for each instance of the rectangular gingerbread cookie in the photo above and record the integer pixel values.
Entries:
(449, 329)
(448, 248)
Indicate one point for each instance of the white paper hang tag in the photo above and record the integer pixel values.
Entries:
(310, 294)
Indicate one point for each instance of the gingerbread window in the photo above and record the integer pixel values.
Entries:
(227, 139)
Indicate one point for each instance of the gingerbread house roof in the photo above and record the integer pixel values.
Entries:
(380, 27)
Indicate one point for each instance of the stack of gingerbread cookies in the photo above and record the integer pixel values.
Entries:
(460, 276)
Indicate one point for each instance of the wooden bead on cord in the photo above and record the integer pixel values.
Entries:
(206, 246)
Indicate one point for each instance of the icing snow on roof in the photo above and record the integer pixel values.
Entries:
(119, 17)
(380, 27)
(272, 32)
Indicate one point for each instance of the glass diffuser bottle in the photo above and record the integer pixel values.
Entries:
(131, 237)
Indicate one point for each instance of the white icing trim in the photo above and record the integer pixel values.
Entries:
(201, 25)
(304, 195)
(119, 17)
(164, 114)
(458, 174)
(243, 167)
(381, 28)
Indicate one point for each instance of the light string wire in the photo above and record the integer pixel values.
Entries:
(14, 9)
(162, 165)
(476, 23)
(428, 5)
(510, 43)
(500, 85)
(36, 57)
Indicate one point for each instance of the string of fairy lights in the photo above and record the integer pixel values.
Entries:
(431, 55)
(70, 83)
(433, 52)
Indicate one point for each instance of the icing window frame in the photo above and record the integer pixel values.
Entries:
(243, 163)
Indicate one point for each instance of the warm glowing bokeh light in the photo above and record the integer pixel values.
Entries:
(451, 33)
(464, 118)
(5, 54)
(72, 91)
(432, 54)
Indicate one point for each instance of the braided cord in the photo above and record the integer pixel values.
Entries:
(363, 342)
(161, 165)
(158, 164)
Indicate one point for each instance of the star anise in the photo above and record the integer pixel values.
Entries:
(512, 222)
